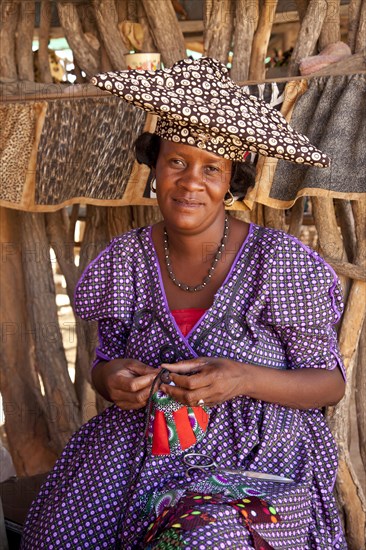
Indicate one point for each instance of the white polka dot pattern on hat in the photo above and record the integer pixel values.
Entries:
(195, 98)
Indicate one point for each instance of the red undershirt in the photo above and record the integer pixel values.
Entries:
(187, 318)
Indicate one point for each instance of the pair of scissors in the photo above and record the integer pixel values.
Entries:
(199, 461)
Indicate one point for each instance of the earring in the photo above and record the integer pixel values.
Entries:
(152, 188)
(230, 200)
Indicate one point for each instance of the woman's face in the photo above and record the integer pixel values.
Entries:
(191, 185)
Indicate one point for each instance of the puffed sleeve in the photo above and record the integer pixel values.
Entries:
(105, 293)
(304, 304)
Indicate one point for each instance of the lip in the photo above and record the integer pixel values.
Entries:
(184, 202)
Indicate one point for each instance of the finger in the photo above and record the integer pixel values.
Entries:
(140, 369)
(127, 400)
(135, 384)
(190, 365)
(193, 382)
(186, 397)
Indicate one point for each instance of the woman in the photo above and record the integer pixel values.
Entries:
(232, 322)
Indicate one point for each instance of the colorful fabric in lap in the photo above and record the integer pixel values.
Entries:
(189, 514)
(174, 428)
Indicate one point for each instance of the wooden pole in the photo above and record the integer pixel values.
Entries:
(132, 10)
(359, 211)
(246, 20)
(119, 220)
(274, 217)
(257, 69)
(309, 33)
(26, 419)
(62, 404)
(85, 56)
(330, 240)
(348, 270)
(44, 36)
(218, 32)
(354, 10)
(207, 11)
(9, 20)
(296, 218)
(148, 43)
(331, 30)
(350, 497)
(121, 7)
(165, 30)
(346, 222)
(350, 494)
(107, 20)
(360, 44)
(24, 39)
(360, 383)
(58, 235)
(26, 427)
(95, 239)
(302, 6)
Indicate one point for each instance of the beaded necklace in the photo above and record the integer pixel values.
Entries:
(214, 264)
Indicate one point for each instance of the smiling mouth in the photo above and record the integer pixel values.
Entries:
(190, 203)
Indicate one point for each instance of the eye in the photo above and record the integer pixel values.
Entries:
(177, 162)
(212, 170)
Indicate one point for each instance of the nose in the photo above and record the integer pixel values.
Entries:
(192, 177)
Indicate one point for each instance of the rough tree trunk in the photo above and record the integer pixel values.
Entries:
(24, 39)
(9, 20)
(346, 222)
(95, 239)
(107, 19)
(28, 436)
(44, 36)
(219, 30)
(360, 45)
(165, 30)
(62, 405)
(207, 11)
(353, 19)
(331, 31)
(148, 44)
(57, 231)
(257, 70)
(360, 383)
(86, 57)
(121, 7)
(330, 240)
(359, 209)
(349, 492)
(311, 27)
(302, 6)
(297, 215)
(246, 20)
(132, 10)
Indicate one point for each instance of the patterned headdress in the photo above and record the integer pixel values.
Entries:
(198, 104)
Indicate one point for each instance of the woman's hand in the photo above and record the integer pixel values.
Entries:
(211, 379)
(215, 380)
(126, 382)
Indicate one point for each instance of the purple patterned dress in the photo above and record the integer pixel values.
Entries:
(276, 308)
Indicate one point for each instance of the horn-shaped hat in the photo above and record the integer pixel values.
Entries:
(198, 104)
